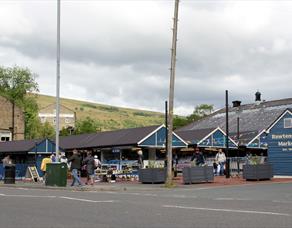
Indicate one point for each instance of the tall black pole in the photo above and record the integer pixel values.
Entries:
(166, 128)
(238, 144)
(35, 154)
(13, 120)
(227, 166)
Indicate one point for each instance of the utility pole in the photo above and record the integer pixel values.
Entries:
(227, 166)
(58, 79)
(171, 95)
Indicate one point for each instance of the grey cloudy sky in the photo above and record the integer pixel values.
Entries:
(118, 52)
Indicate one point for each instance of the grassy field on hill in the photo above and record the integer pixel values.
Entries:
(108, 117)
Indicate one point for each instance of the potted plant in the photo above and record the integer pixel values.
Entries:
(153, 173)
(257, 169)
(197, 174)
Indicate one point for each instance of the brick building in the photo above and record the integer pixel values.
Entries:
(67, 116)
(8, 124)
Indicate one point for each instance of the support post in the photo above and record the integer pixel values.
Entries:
(227, 166)
(171, 95)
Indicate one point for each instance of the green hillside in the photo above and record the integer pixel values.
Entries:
(108, 117)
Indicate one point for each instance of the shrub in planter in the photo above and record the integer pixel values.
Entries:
(256, 169)
(154, 173)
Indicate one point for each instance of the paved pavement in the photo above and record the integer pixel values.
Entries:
(134, 185)
(263, 204)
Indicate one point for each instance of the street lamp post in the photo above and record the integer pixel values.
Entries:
(227, 137)
(238, 140)
(58, 79)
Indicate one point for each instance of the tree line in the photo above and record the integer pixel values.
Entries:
(19, 86)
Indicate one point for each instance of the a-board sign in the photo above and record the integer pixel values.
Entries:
(32, 173)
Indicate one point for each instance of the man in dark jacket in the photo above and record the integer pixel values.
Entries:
(75, 167)
(200, 160)
(90, 167)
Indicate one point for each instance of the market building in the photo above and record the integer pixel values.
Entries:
(116, 149)
(25, 153)
(250, 127)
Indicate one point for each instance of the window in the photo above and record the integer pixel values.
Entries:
(54, 120)
(5, 139)
(288, 123)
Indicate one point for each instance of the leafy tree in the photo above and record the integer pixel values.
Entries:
(32, 121)
(203, 109)
(87, 125)
(67, 131)
(179, 122)
(199, 112)
(15, 83)
(47, 131)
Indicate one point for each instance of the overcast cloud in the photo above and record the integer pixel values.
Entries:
(118, 52)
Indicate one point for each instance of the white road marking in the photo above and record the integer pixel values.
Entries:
(86, 200)
(224, 199)
(226, 210)
(27, 196)
(279, 201)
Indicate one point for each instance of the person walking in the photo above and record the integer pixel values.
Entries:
(44, 163)
(63, 158)
(220, 159)
(7, 161)
(90, 167)
(97, 162)
(198, 155)
(140, 158)
(75, 167)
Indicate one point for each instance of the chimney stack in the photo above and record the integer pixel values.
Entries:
(236, 104)
(257, 97)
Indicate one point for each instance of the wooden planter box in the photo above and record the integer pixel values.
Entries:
(257, 172)
(152, 175)
(198, 174)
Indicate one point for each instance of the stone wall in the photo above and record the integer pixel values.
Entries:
(6, 119)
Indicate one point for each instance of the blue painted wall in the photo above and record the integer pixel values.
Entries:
(217, 139)
(157, 139)
(259, 142)
(279, 142)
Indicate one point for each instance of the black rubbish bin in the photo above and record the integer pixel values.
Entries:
(9, 175)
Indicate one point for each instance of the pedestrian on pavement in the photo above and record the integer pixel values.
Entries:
(7, 161)
(140, 158)
(97, 162)
(90, 167)
(220, 159)
(44, 163)
(75, 166)
(53, 158)
(63, 158)
(198, 156)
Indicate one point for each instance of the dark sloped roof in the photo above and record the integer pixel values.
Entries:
(18, 146)
(122, 137)
(244, 137)
(192, 136)
(253, 118)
